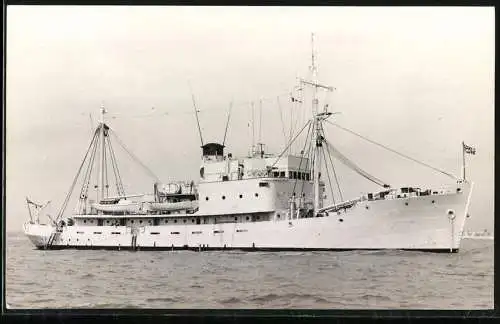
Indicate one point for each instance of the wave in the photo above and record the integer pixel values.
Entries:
(162, 299)
(288, 297)
(231, 300)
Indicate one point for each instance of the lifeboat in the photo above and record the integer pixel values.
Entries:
(117, 205)
(172, 206)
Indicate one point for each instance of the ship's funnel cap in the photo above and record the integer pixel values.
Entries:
(213, 149)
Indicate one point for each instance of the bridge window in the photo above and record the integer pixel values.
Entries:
(175, 233)
(290, 174)
(282, 174)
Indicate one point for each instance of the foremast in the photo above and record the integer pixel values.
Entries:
(102, 157)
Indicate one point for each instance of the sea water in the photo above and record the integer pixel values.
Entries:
(219, 279)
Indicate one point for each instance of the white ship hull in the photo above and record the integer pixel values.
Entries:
(423, 224)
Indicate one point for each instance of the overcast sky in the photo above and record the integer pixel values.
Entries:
(419, 80)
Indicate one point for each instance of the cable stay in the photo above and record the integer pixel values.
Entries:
(394, 151)
(227, 123)
(342, 158)
(333, 169)
(302, 159)
(289, 144)
(119, 184)
(281, 117)
(328, 176)
(135, 158)
(65, 203)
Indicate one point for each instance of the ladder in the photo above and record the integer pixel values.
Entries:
(51, 240)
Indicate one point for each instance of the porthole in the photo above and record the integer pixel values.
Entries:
(175, 220)
(406, 203)
(223, 197)
(433, 201)
(192, 221)
(140, 221)
(107, 222)
(184, 221)
(256, 195)
(77, 240)
(248, 218)
(278, 215)
(130, 222)
(367, 207)
(84, 220)
(206, 198)
(341, 220)
(241, 196)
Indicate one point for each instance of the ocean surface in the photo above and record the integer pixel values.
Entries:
(307, 280)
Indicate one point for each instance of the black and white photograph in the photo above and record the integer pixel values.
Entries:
(247, 157)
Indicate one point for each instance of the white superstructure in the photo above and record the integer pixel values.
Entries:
(257, 202)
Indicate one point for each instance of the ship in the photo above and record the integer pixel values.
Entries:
(259, 202)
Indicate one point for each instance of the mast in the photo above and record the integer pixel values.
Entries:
(100, 187)
(316, 138)
(316, 132)
(253, 129)
(463, 160)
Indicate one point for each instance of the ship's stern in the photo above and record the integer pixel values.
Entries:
(38, 234)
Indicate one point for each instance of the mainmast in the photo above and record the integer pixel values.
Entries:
(316, 132)
(316, 136)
